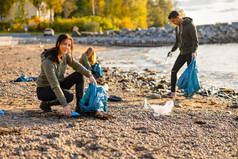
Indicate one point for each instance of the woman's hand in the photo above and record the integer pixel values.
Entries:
(67, 111)
(92, 79)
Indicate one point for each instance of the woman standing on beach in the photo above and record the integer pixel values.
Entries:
(52, 87)
(88, 59)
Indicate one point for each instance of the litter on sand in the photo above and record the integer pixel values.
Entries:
(75, 114)
(113, 98)
(105, 87)
(24, 78)
(1, 112)
(228, 113)
(189, 80)
(95, 99)
(160, 109)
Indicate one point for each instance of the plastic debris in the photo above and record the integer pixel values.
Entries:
(160, 109)
(228, 113)
(105, 87)
(24, 78)
(1, 112)
(74, 114)
(97, 71)
(95, 99)
(234, 106)
(189, 80)
(113, 98)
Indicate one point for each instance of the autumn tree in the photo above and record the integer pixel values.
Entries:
(38, 5)
(55, 6)
(5, 6)
(68, 7)
(83, 8)
(158, 11)
(138, 12)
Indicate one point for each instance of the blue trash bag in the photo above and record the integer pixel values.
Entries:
(95, 99)
(189, 80)
(23, 78)
(1, 112)
(97, 71)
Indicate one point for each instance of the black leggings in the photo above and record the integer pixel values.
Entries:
(47, 94)
(180, 61)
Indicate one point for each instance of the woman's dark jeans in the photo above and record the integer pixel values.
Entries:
(180, 61)
(77, 79)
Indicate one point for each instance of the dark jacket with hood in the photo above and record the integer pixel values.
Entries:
(186, 37)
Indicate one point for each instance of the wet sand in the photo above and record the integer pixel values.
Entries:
(196, 128)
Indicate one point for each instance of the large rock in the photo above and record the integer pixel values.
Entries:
(235, 25)
(152, 29)
(158, 36)
(169, 28)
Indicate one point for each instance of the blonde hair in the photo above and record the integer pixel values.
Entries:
(92, 58)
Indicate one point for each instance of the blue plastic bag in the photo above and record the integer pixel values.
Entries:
(97, 71)
(1, 112)
(95, 99)
(23, 78)
(189, 80)
(75, 114)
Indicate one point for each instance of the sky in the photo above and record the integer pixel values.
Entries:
(210, 11)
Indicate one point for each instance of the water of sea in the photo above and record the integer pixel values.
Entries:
(217, 64)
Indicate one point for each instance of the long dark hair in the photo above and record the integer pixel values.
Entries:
(53, 53)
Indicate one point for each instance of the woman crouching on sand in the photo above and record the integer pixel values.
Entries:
(52, 87)
(88, 59)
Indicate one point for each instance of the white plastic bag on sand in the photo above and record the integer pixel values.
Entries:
(105, 87)
(160, 109)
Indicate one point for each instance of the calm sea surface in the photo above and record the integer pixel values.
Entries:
(217, 64)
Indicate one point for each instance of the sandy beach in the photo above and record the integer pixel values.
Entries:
(197, 128)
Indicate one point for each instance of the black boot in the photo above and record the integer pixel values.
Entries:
(46, 105)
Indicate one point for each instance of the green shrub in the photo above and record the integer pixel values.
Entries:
(92, 26)
(44, 24)
(88, 23)
(33, 27)
(80, 23)
(17, 27)
(4, 26)
(62, 25)
(35, 24)
(107, 24)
